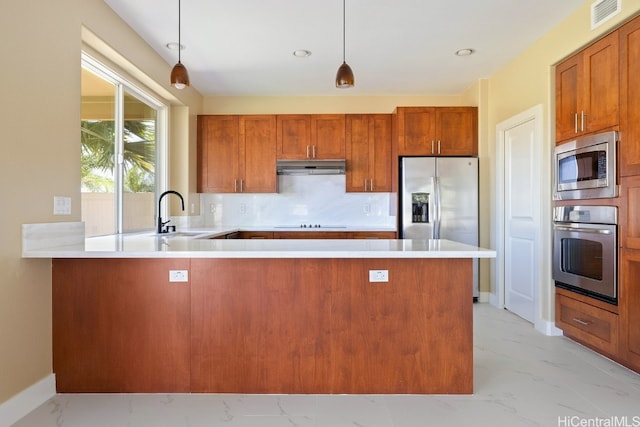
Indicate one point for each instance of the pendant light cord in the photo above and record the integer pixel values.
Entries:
(179, 32)
(344, 32)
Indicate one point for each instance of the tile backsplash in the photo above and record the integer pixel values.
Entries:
(308, 199)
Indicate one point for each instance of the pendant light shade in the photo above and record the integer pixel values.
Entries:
(344, 76)
(179, 74)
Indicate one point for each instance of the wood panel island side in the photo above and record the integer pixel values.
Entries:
(254, 317)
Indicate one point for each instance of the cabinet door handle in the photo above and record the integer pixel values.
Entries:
(313, 151)
(365, 185)
(241, 185)
(235, 185)
(438, 146)
(371, 186)
(432, 147)
(582, 121)
(580, 321)
(575, 123)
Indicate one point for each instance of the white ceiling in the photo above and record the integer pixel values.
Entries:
(395, 47)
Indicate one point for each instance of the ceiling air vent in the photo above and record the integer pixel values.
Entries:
(602, 10)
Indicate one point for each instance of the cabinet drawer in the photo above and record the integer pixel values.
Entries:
(592, 326)
(256, 234)
(372, 235)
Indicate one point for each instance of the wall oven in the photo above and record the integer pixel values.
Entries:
(585, 250)
(586, 168)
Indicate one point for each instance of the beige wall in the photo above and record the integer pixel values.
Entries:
(319, 104)
(39, 117)
(524, 83)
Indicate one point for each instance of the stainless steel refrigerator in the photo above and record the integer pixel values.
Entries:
(439, 200)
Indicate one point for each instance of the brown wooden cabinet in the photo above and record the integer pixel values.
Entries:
(629, 292)
(237, 154)
(293, 136)
(629, 212)
(587, 92)
(218, 148)
(262, 326)
(327, 136)
(437, 131)
(589, 324)
(317, 235)
(256, 234)
(319, 326)
(315, 136)
(457, 131)
(629, 272)
(629, 148)
(372, 235)
(120, 326)
(368, 153)
(309, 235)
(592, 87)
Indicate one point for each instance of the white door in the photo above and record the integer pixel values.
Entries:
(522, 217)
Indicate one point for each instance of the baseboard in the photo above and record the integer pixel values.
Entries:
(548, 328)
(27, 400)
(484, 297)
(493, 300)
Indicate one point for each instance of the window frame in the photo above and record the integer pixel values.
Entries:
(122, 86)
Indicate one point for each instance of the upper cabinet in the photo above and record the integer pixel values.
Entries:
(316, 136)
(629, 149)
(368, 152)
(237, 154)
(293, 136)
(327, 136)
(587, 92)
(437, 131)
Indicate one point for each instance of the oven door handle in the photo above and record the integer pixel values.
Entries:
(582, 230)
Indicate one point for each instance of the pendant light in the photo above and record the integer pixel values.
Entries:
(179, 74)
(344, 76)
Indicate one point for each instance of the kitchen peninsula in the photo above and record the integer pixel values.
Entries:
(147, 313)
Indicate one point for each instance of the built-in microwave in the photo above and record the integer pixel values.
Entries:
(586, 168)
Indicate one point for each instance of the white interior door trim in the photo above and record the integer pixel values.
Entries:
(536, 114)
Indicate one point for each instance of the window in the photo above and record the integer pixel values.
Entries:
(122, 152)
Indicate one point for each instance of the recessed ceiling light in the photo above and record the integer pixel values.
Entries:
(465, 52)
(174, 46)
(301, 53)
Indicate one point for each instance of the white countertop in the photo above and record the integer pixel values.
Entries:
(63, 241)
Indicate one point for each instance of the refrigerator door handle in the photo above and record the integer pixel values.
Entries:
(433, 209)
(437, 192)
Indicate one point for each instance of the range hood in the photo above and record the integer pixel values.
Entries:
(310, 167)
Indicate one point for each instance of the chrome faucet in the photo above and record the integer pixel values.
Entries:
(161, 225)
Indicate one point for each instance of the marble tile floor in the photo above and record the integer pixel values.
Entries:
(522, 378)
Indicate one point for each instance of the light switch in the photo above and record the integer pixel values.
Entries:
(61, 205)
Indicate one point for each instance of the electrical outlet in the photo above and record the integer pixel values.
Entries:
(243, 208)
(178, 275)
(212, 208)
(378, 276)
